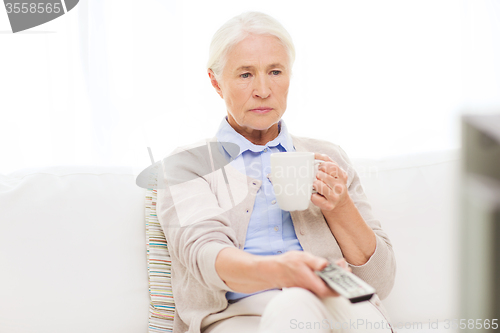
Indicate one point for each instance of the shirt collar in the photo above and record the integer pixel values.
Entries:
(226, 133)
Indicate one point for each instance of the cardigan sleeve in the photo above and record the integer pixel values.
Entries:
(193, 223)
(380, 269)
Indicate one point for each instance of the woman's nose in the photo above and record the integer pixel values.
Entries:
(262, 88)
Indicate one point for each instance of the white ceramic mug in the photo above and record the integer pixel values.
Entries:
(292, 176)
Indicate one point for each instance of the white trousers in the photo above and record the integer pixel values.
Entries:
(295, 310)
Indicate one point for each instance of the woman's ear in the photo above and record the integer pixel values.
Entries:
(215, 83)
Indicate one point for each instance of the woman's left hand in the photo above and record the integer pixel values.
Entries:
(331, 184)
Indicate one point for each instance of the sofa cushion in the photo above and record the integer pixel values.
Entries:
(72, 251)
(162, 307)
(416, 198)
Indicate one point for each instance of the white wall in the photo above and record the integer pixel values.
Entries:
(108, 79)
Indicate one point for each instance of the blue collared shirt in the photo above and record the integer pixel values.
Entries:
(270, 230)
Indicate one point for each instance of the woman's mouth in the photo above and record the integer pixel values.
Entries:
(261, 110)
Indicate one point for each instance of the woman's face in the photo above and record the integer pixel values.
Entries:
(256, 75)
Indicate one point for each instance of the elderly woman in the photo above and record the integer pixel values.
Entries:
(239, 262)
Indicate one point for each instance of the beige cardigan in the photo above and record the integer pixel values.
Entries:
(198, 220)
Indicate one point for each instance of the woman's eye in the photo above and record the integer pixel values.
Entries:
(243, 75)
(277, 72)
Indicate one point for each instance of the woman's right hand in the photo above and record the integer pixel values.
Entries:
(296, 269)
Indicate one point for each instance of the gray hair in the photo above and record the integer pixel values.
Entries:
(237, 29)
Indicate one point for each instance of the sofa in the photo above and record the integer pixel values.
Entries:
(73, 244)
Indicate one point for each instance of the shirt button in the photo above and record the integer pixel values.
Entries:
(276, 228)
(265, 150)
(273, 202)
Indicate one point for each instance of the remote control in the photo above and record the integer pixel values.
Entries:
(346, 283)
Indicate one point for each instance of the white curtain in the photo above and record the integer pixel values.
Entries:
(112, 77)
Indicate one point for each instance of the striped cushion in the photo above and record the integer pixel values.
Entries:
(162, 306)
